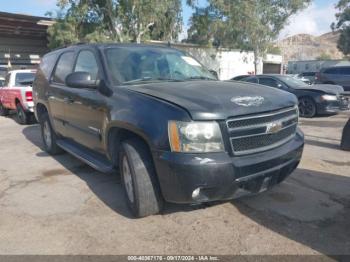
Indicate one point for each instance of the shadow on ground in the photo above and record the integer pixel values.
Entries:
(311, 208)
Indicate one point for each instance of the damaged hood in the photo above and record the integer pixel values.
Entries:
(209, 100)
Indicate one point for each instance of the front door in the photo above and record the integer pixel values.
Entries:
(86, 110)
(57, 91)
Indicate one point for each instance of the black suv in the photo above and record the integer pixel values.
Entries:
(174, 132)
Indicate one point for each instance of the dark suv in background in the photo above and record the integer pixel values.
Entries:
(174, 132)
(337, 75)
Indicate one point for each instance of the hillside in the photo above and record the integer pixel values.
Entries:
(308, 47)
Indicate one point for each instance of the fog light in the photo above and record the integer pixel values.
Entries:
(196, 192)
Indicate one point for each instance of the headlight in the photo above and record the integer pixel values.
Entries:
(195, 137)
(329, 98)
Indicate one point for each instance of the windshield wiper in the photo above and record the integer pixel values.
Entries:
(146, 79)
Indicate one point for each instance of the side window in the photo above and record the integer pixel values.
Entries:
(86, 62)
(344, 70)
(331, 71)
(251, 80)
(47, 64)
(268, 82)
(63, 67)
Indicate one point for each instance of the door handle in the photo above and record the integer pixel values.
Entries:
(68, 100)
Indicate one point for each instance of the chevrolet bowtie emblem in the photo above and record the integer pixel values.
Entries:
(273, 127)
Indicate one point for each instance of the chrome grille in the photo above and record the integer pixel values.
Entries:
(262, 132)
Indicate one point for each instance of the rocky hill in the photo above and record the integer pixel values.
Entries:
(308, 47)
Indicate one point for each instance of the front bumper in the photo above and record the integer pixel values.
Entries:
(220, 176)
(330, 107)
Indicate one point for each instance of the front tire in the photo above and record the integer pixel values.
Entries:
(49, 136)
(139, 178)
(307, 107)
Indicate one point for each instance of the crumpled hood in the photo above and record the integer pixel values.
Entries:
(326, 88)
(209, 100)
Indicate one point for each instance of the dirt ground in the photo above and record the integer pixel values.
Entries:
(58, 205)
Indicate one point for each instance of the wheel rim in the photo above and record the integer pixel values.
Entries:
(47, 134)
(128, 180)
(306, 108)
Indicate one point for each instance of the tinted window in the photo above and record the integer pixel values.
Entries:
(86, 62)
(24, 77)
(47, 64)
(251, 80)
(331, 71)
(268, 82)
(344, 70)
(7, 80)
(63, 67)
(308, 74)
(2, 82)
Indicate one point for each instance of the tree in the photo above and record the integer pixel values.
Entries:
(115, 21)
(342, 25)
(251, 24)
(324, 56)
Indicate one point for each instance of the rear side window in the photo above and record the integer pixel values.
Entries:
(63, 68)
(344, 70)
(7, 80)
(268, 82)
(47, 64)
(86, 62)
(331, 71)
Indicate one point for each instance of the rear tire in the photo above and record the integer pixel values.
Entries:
(22, 117)
(307, 107)
(49, 136)
(3, 111)
(139, 178)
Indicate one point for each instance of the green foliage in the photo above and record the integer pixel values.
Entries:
(324, 56)
(245, 24)
(115, 21)
(342, 25)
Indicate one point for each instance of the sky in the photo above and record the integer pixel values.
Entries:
(314, 20)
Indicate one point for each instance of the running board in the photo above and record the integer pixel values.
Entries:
(95, 160)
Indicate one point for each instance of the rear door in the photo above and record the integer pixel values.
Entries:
(87, 109)
(344, 77)
(4, 92)
(58, 89)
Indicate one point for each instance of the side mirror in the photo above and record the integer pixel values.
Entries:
(214, 73)
(81, 80)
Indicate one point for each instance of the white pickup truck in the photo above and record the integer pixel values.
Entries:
(16, 94)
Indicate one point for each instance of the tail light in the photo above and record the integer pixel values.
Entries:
(29, 96)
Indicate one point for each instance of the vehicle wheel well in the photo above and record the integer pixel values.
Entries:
(40, 109)
(115, 137)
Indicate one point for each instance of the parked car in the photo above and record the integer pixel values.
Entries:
(16, 94)
(305, 80)
(174, 132)
(336, 75)
(311, 76)
(240, 77)
(313, 100)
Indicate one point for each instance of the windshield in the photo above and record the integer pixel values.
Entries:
(24, 78)
(131, 65)
(293, 82)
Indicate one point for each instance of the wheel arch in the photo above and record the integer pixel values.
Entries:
(40, 110)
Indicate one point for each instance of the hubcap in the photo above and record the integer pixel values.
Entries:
(128, 180)
(47, 134)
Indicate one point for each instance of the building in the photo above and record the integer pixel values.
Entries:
(297, 67)
(23, 40)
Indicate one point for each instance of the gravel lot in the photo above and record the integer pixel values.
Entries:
(58, 205)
